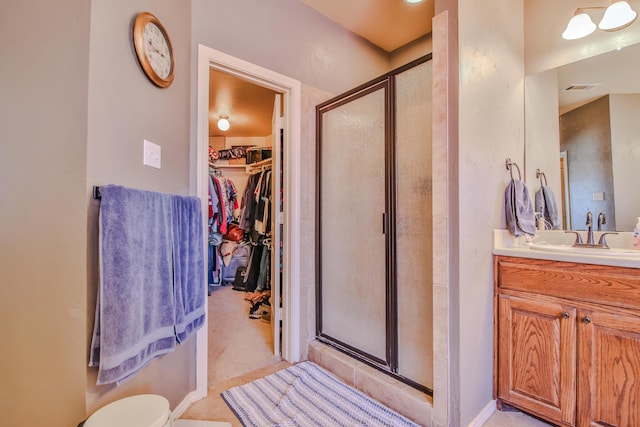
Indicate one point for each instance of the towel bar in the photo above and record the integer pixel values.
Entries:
(96, 192)
(540, 175)
(508, 164)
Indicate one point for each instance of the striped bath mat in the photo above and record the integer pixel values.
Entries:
(307, 395)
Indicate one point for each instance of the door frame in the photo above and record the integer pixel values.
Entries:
(565, 189)
(290, 88)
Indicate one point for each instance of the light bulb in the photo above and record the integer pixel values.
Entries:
(579, 26)
(617, 16)
(223, 123)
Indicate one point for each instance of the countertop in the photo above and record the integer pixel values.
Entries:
(507, 245)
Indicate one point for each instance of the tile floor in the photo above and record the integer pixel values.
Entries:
(214, 408)
(400, 397)
(513, 419)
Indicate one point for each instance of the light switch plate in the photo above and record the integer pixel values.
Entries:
(152, 154)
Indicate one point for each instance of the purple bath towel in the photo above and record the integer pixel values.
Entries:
(545, 202)
(188, 252)
(518, 209)
(151, 277)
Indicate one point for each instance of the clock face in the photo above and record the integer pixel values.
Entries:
(157, 50)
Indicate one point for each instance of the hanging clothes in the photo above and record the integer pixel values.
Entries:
(248, 204)
(263, 210)
(255, 211)
(255, 220)
(223, 202)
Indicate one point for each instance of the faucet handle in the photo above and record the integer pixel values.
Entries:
(578, 237)
(602, 240)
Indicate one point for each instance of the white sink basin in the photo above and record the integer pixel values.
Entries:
(612, 252)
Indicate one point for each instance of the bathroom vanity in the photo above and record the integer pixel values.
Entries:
(567, 337)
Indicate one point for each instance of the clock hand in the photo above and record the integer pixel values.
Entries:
(157, 51)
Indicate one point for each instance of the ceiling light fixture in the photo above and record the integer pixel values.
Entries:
(223, 123)
(414, 1)
(617, 16)
(579, 26)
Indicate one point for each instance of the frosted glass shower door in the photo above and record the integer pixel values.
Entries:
(352, 201)
(414, 226)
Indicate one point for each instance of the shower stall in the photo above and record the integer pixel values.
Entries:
(374, 281)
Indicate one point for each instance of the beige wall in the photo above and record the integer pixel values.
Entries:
(290, 38)
(542, 137)
(43, 199)
(310, 98)
(625, 156)
(491, 125)
(414, 50)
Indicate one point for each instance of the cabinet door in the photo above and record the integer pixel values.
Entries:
(537, 357)
(609, 369)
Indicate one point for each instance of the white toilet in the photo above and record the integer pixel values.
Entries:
(145, 410)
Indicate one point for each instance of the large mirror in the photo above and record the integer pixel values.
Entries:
(583, 136)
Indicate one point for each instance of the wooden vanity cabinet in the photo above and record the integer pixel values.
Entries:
(608, 369)
(567, 341)
(537, 357)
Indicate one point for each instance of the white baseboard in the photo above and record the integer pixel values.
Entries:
(184, 405)
(484, 415)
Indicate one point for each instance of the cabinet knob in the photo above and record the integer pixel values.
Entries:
(586, 319)
(565, 315)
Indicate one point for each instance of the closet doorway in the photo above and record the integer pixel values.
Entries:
(245, 226)
(279, 237)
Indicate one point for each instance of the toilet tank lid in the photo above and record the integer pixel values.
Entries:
(148, 410)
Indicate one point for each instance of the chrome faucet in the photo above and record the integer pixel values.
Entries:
(602, 219)
(589, 225)
(602, 242)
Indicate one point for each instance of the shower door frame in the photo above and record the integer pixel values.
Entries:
(390, 365)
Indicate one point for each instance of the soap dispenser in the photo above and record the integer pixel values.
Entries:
(636, 235)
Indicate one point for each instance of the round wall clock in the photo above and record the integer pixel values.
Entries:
(153, 49)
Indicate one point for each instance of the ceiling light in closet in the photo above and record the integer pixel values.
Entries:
(414, 1)
(223, 123)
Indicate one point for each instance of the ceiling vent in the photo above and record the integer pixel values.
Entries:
(579, 87)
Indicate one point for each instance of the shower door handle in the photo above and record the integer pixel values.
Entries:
(384, 223)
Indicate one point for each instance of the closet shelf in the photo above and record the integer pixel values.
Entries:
(225, 165)
(229, 166)
(249, 168)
